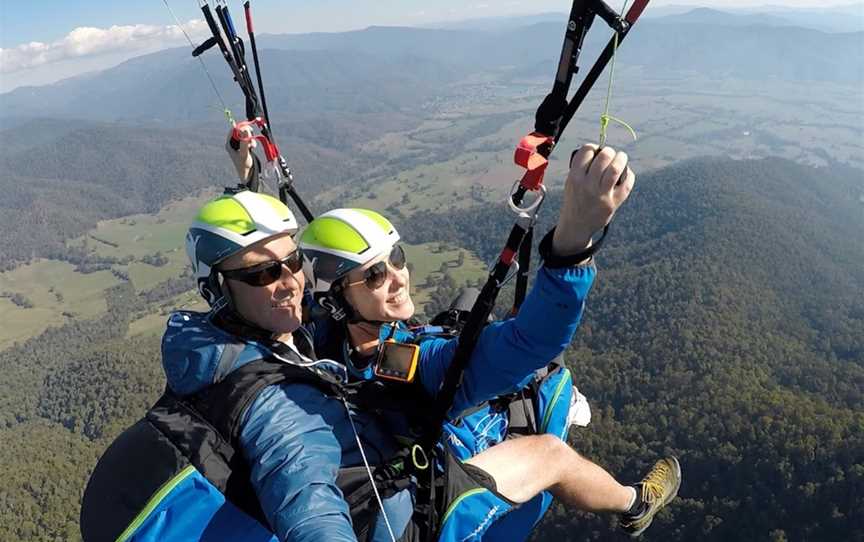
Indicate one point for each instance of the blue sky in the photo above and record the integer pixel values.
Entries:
(42, 41)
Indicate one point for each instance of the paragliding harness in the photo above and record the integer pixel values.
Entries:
(453, 498)
(186, 450)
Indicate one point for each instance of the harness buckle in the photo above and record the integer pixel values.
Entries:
(528, 212)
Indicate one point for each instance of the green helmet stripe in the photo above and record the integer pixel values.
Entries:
(230, 213)
(225, 212)
(334, 233)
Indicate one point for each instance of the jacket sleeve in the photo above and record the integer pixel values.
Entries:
(294, 456)
(508, 352)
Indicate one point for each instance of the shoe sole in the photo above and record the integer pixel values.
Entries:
(667, 500)
(678, 485)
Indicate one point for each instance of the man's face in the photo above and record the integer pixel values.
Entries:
(389, 302)
(274, 307)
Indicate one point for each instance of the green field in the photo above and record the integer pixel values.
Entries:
(427, 259)
(426, 188)
(153, 324)
(56, 292)
(142, 235)
(468, 141)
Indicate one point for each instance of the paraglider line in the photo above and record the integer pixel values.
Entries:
(204, 66)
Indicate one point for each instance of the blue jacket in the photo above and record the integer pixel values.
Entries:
(295, 438)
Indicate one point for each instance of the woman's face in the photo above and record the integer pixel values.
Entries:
(389, 302)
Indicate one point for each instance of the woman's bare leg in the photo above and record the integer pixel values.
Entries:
(525, 466)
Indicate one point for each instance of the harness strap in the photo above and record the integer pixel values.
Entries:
(521, 288)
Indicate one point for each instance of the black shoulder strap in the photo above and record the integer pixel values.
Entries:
(206, 425)
(224, 404)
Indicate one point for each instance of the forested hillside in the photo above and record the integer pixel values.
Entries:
(726, 326)
(62, 177)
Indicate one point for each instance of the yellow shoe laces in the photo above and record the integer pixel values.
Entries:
(653, 486)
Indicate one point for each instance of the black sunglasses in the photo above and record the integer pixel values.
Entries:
(266, 273)
(375, 276)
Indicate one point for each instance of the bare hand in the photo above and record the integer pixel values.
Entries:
(592, 194)
(242, 156)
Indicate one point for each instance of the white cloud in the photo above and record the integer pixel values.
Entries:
(87, 41)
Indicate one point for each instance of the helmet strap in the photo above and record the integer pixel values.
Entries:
(223, 307)
(336, 299)
(210, 289)
(216, 292)
(336, 304)
(334, 308)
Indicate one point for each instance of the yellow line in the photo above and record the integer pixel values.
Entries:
(154, 501)
(459, 499)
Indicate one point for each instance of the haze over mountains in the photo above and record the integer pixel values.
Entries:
(843, 18)
(848, 18)
(385, 68)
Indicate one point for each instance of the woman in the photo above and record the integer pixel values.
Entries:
(357, 272)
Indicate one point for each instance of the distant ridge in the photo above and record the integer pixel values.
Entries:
(386, 69)
(724, 18)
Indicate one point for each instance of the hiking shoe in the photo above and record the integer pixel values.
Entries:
(659, 487)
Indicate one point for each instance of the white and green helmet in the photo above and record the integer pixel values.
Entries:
(340, 240)
(228, 224)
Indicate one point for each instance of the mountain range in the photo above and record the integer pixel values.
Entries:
(386, 69)
(844, 18)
